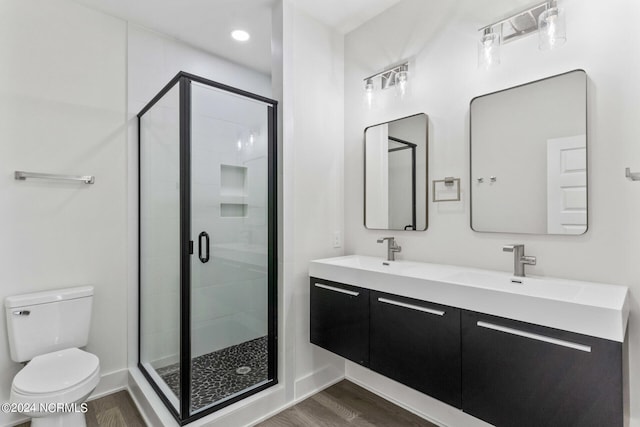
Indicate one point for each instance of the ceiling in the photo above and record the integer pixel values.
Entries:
(344, 15)
(207, 24)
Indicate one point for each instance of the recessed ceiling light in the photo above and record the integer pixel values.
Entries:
(240, 35)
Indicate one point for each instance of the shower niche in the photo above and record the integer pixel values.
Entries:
(207, 245)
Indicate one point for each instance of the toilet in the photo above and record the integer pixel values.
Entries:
(47, 329)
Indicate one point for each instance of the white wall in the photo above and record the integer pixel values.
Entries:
(441, 38)
(62, 110)
(312, 184)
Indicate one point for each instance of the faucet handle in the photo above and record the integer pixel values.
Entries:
(511, 248)
(382, 239)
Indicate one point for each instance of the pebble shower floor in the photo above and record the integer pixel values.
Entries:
(214, 375)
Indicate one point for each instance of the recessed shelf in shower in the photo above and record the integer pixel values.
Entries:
(233, 210)
(233, 180)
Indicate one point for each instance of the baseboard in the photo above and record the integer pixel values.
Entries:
(111, 383)
(321, 379)
(397, 402)
(413, 401)
(317, 381)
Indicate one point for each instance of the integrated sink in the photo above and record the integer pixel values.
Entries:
(595, 309)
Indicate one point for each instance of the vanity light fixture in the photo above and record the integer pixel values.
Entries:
(546, 18)
(396, 76)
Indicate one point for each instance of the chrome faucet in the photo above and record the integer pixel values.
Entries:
(519, 259)
(392, 247)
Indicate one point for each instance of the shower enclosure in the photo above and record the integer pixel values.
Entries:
(207, 242)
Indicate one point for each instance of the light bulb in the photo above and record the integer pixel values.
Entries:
(489, 50)
(552, 31)
(368, 92)
(402, 78)
(240, 35)
(239, 145)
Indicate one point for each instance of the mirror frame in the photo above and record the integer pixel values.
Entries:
(586, 115)
(426, 177)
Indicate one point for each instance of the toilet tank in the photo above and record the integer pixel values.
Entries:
(42, 322)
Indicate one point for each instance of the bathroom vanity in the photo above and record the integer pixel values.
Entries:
(511, 351)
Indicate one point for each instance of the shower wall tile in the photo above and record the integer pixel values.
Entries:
(163, 346)
(163, 316)
(214, 302)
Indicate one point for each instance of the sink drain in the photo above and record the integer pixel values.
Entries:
(243, 370)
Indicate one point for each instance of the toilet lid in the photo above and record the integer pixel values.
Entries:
(57, 371)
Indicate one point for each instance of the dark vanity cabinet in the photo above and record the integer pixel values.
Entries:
(505, 372)
(516, 374)
(340, 319)
(417, 344)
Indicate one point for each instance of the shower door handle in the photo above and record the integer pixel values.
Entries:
(205, 258)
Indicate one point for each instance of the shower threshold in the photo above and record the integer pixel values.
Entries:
(215, 376)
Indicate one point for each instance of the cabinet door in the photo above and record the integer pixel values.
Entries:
(416, 343)
(518, 374)
(340, 319)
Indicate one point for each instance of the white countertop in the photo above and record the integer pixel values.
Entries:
(595, 309)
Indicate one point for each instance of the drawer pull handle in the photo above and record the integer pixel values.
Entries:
(22, 313)
(412, 307)
(533, 336)
(342, 291)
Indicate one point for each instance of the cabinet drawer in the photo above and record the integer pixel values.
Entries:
(340, 319)
(416, 343)
(518, 374)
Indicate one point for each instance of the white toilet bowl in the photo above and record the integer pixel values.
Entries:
(54, 384)
(47, 330)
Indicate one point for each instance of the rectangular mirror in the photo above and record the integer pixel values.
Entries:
(395, 174)
(529, 157)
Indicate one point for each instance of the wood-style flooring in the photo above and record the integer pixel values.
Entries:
(345, 404)
(113, 410)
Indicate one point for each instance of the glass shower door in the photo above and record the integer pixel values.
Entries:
(229, 228)
(207, 319)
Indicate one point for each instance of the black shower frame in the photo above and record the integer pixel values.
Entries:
(184, 81)
(413, 147)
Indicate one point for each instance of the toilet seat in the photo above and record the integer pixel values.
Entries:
(64, 376)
